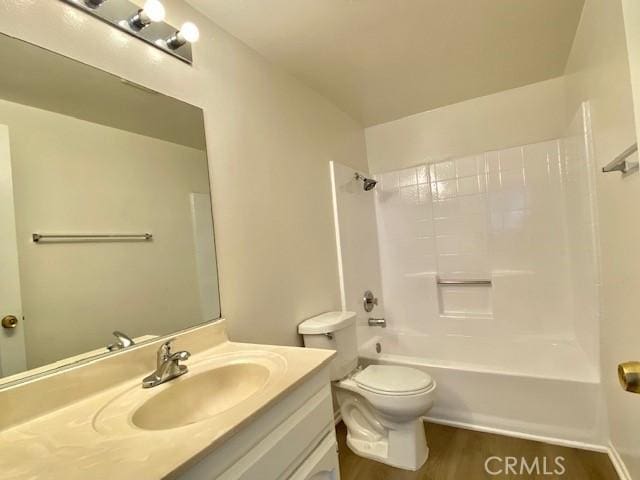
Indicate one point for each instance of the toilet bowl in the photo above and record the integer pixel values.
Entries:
(381, 405)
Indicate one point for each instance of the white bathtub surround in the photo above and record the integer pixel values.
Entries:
(496, 216)
(579, 185)
(382, 406)
(514, 355)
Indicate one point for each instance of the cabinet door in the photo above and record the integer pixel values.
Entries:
(286, 447)
(322, 464)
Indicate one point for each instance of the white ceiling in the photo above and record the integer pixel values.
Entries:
(380, 60)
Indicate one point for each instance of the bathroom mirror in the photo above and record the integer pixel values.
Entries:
(105, 210)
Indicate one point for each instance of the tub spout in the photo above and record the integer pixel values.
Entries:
(377, 322)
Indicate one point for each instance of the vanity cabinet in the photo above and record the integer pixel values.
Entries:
(293, 439)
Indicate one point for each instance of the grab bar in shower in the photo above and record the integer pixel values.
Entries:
(464, 282)
(620, 163)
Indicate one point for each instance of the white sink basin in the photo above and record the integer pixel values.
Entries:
(201, 396)
(210, 388)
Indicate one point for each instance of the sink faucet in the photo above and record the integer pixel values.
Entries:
(123, 341)
(168, 366)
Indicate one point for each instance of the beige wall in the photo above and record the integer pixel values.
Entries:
(270, 140)
(73, 176)
(520, 116)
(598, 71)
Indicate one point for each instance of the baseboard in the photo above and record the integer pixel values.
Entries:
(618, 464)
(337, 418)
(510, 433)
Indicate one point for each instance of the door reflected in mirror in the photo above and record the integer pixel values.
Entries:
(113, 181)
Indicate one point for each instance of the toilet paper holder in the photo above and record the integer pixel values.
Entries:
(629, 376)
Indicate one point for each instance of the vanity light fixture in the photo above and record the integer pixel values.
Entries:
(146, 23)
(153, 11)
(188, 33)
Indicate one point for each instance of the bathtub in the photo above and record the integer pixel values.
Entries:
(536, 388)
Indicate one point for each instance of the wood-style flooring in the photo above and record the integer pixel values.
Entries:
(458, 454)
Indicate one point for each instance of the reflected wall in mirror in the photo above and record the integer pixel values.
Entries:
(85, 152)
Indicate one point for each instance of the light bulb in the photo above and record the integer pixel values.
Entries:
(187, 33)
(190, 32)
(154, 10)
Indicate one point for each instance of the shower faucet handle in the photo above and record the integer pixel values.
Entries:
(369, 301)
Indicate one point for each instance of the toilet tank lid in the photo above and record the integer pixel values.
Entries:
(326, 323)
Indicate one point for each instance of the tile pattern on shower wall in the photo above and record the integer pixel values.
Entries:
(406, 237)
(460, 226)
(460, 217)
(529, 239)
(497, 215)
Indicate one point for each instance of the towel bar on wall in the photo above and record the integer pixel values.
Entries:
(464, 282)
(37, 237)
(620, 163)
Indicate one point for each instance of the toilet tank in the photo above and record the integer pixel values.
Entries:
(333, 331)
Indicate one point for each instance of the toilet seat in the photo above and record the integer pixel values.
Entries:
(393, 380)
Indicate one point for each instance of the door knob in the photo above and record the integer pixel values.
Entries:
(10, 321)
(629, 376)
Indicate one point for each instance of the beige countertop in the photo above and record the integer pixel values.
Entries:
(65, 443)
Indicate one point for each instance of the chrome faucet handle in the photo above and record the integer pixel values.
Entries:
(369, 301)
(179, 356)
(123, 341)
(165, 355)
(168, 365)
(164, 352)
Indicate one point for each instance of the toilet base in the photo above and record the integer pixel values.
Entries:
(404, 446)
(384, 427)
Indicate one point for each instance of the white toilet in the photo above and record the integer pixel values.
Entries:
(381, 405)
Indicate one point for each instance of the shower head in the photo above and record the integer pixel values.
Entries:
(367, 183)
